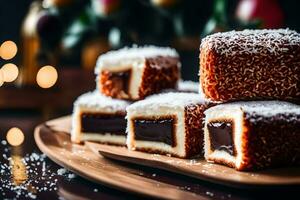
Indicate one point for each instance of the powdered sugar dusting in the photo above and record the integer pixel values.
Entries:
(263, 108)
(272, 41)
(95, 100)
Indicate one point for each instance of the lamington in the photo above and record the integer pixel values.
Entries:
(251, 64)
(253, 135)
(136, 72)
(168, 123)
(99, 118)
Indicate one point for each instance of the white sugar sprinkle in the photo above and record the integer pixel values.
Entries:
(61, 171)
(209, 193)
(30, 174)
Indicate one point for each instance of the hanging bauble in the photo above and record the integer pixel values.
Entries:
(268, 12)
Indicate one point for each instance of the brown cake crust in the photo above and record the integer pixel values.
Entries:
(160, 73)
(194, 123)
(271, 141)
(112, 86)
(231, 70)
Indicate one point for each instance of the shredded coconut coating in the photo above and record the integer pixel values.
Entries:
(270, 41)
(97, 101)
(261, 108)
(251, 64)
(172, 100)
(134, 54)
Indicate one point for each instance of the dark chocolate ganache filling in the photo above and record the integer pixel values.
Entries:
(103, 123)
(221, 136)
(158, 130)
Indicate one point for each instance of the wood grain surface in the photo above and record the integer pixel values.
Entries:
(200, 169)
(53, 140)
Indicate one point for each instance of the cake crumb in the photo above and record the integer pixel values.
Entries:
(209, 193)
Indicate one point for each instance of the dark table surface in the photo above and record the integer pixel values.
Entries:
(27, 174)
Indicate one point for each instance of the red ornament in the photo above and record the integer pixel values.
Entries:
(268, 11)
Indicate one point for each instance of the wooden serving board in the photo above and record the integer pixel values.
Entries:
(86, 161)
(200, 169)
(53, 139)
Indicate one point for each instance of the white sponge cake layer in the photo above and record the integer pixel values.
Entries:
(106, 138)
(137, 72)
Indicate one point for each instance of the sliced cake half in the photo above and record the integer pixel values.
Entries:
(169, 123)
(253, 135)
(136, 72)
(99, 118)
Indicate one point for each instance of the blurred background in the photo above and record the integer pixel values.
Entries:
(49, 47)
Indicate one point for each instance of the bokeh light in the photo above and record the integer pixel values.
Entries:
(1, 78)
(15, 136)
(8, 50)
(10, 72)
(46, 76)
(18, 170)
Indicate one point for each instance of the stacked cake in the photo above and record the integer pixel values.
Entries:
(123, 77)
(242, 114)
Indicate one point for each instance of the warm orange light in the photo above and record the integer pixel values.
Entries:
(18, 170)
(15, 136)
(8, 50)
(10, 72)
(46, 77)
(1, 78)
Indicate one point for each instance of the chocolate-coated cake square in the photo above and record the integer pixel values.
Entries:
(136, 72)
(169, 123)
(253, 135)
